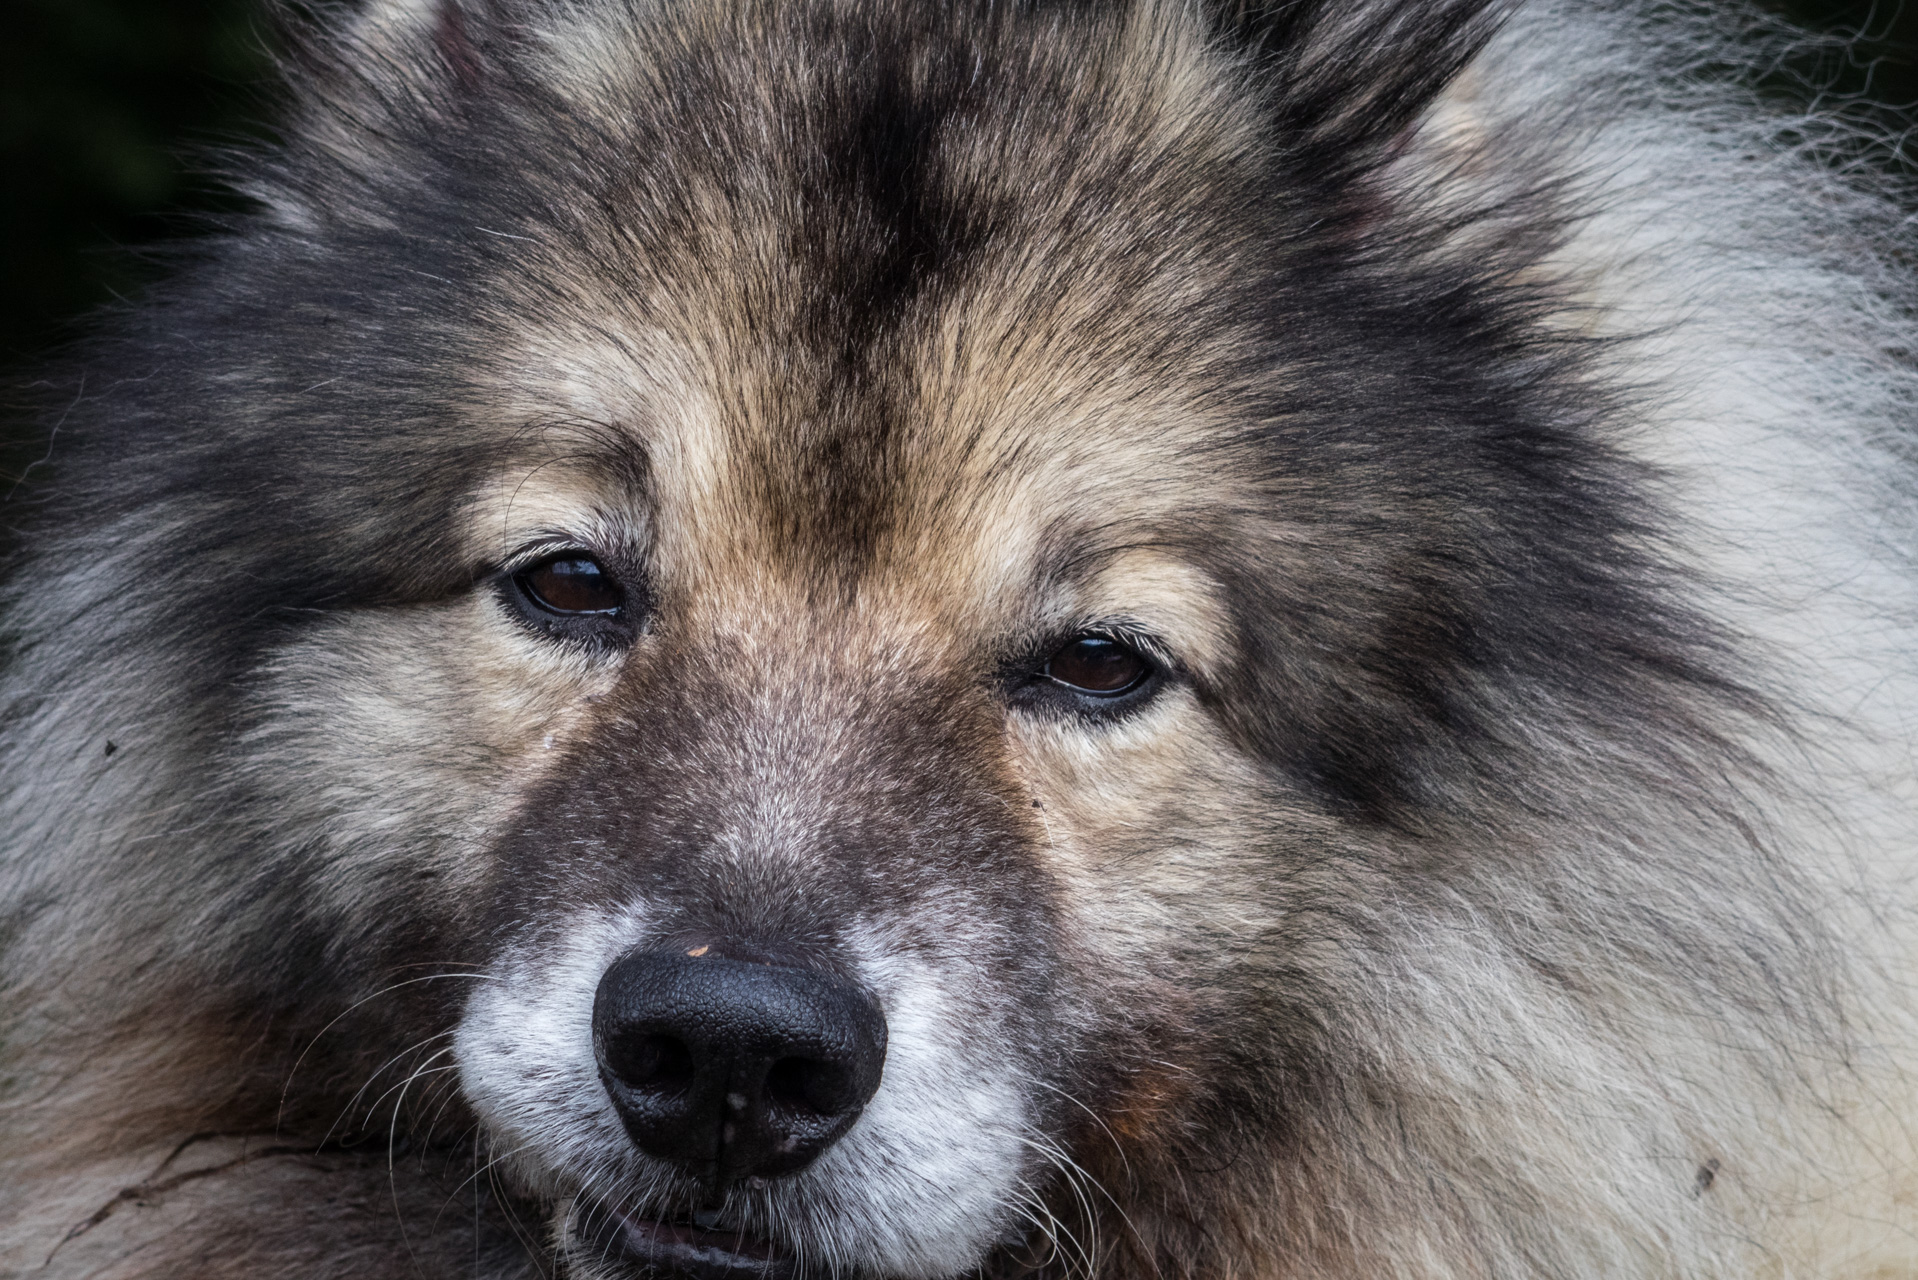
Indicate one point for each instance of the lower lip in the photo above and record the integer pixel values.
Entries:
(679, 1250)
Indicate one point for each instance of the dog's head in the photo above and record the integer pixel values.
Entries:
(948, 615)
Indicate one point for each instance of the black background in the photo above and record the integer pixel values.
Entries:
(108, 108)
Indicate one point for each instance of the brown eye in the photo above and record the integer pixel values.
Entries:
(572, 584)
(1096, 665)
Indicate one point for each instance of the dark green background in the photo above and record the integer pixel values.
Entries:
(105, 103)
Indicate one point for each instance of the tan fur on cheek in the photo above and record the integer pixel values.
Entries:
(1141, 817)
(448, 710)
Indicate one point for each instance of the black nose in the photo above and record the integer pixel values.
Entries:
(731, 1069)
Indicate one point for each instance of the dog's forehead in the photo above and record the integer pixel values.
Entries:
(947, 492)
(852, 366)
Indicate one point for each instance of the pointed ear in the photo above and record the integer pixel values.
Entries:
(1346, 78)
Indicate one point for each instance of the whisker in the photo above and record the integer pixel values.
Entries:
(392, 1136)
(319, 1035)
(1117, 1146)
(504, 1201)
(352, 1104)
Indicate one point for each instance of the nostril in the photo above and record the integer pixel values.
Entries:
(804, 1084)
(658, 1064)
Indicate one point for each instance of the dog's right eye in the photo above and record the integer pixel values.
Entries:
(1098, 666)
(571, 595)
(1091, 674)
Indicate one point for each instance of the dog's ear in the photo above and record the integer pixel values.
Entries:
(370, 85)
(1345, 79)
(460, 36)
(441, 48)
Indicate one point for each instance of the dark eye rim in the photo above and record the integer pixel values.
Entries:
(1033, 686)
(523, 577)
(616, 627)
(1147, 667)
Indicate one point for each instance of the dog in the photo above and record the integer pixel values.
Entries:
(888, 639)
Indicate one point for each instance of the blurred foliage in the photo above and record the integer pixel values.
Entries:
(104, 102)
(101, 105)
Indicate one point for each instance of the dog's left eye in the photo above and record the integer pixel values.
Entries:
(571, 585)
(1099, 666)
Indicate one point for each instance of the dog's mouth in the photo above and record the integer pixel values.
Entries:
(694, 1246)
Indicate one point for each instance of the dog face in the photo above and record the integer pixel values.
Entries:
(854, 620)
(860, 621)
(1032, 618)
(900, 682)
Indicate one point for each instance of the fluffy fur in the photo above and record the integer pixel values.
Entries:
(1492, 422)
